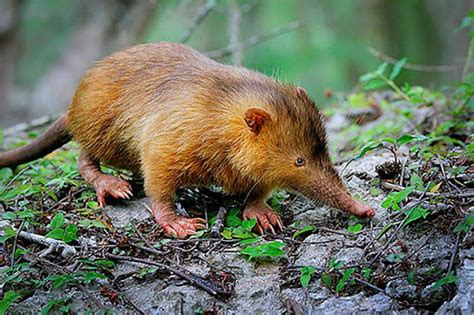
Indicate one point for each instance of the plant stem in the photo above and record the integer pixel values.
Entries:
(395, 88)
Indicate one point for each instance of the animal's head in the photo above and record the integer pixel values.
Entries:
(288, 149)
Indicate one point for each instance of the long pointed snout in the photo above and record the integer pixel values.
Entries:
(331, 191)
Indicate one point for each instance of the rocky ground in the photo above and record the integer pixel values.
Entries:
(119, 260)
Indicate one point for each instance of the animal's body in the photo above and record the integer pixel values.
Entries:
(178, 118)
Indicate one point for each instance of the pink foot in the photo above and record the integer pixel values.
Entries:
(266, 217)
(111, 186)
(175, 225)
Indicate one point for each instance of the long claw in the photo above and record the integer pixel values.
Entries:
(267, 219)
(271, 229)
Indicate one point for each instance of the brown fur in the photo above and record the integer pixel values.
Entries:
(179, 118)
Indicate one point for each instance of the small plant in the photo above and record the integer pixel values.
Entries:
(243, 231)
(393, 200)
(378, 79)
(465, 224)
(345, 278)
(391, 144)
(265, 250)
(61, 232)
(449, 278)
(306, 229)
(306, 275)
(61, 304)
(9, 298)
(355, 228)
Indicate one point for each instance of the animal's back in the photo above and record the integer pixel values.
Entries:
(127, 91)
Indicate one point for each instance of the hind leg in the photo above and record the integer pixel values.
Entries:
(104, 185)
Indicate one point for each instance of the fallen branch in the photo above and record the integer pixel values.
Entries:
(207, 286)
(53, 245)
(254, 40)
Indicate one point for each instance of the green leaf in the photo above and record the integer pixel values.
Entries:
(60, 280)
(5, 174)
(374, 191)
(306, 274)
(327, 280)
(334, 265)
(70, 234)
(395, 257)
(227, 234)
(411, 277)
(397, 68)
(53, 304)
(94, 223)
(449, 278)
(9, 216)
(233, 218)
(8, 232)
(366, 273)
(465, 225)
(57, 221)
(271, 249)
(411, 138)
(416, 214)
(381, 69)
(369, 146)
(374, 84)
(308, 228)
(340, 285)
(355, 228)
(92, 275)
(249, 224)
(8, 299)
(57, 234)
(249, 240)
(394, 198)
(416, 181)
(2, 137)
(198, 234)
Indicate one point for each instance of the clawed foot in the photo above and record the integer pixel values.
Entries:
(111, 186)
(177, 226)
(266, 217)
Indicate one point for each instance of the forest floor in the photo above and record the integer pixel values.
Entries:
(408, 152)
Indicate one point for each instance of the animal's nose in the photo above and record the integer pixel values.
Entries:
(362, 210)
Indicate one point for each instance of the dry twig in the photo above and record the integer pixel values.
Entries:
(254, 40)
(201, 15)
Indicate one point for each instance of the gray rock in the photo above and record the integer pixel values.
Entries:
(350, 256)
(126, 211)
(317, 254)
(355, 303)
(462, 303)
(401, 289)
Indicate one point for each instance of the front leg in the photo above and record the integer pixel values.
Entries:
(161, 183)
(265, 216)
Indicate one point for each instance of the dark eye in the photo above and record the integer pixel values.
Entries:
(299, 162)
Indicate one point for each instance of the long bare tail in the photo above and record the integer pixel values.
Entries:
(54, 137)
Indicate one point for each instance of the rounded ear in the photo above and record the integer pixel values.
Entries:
(255, 118)
(302, 94)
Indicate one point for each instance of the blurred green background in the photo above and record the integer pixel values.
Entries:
(47, 45)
